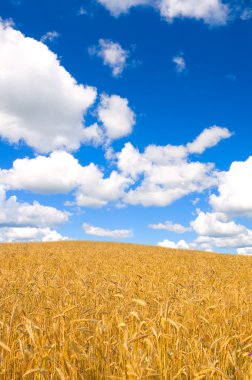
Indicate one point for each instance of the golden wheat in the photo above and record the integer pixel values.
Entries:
(79, 310)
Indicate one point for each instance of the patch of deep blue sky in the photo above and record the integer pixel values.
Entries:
(171, 107)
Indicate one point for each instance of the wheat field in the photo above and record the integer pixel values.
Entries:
(83, 310)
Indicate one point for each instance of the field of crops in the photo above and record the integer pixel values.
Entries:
(76, 310)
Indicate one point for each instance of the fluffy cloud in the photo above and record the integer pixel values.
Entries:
(170, 244)
(235, 189)
(61, 173)
(14, 234)
(166, 171)
(14, 213)
(241, 240)
(22, 221)
(208, 138)
(104, 232)
(117, 117)
(162, 175)
(97, 191)
(112, 55)
(40, 102)
(210, 11)
(116, 7)
(180, 63)
(170, 226)
(217, 231)
(247, 251)
(164, 184)
(58, 173)
(216, 225)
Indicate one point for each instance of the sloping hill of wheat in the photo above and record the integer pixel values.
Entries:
(82, 310)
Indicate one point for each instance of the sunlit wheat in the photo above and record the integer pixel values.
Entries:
(119, 311)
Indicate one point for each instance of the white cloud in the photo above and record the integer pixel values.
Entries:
(22, 221)
(241, 240)
(50, 36)
(117, 117)
(166, 171)
(235, 189)
(216, 225)
(208, 138)
(58, 173)
(210, 11)
(246, 251)
(19, 234)
(170, 244)
(180, 63)
(97, 191)
(165, 184)
(112, 55)
(161, 174)
(61, 173)
(116, 7)
(170, 226)
(104, 232)
(40, 103)
(217, 231)
(14, 213)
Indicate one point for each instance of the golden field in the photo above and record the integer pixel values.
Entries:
(82, 310)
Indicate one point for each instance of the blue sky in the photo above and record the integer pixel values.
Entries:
(127, 120)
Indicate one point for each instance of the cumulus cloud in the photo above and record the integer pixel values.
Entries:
(166, 173)
(40, 102)
(61, 173)
(97, 191)
(170, 244)
(104, 232)
(217, 231)
(14, 213)
(208, 138)
(54, 174)
(235, 189)
(116, 116)
(164, 184)
(210, 11)
(157, 177)
(50, 36)
(241, 240)
(180, 63)
(22, 221)
(170, 226)
(112, 55)
(246, 251)
(22, 234)
(216, 225)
